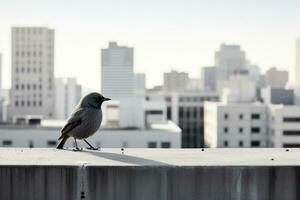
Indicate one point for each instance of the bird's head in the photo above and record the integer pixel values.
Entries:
(94, 100)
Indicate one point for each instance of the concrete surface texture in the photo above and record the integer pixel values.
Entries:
(147, 174)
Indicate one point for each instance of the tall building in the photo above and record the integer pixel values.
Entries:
(32, 91)
(208, 78)
(229, 59)
(67, 95)
(297, 62)
(117, 71)
(276, 78)
(175, 81)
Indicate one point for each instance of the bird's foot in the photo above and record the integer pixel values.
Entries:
(77, 149)
(93, 148)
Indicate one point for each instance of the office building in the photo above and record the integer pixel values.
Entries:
(208, 78)
(235, 125)
(32, 84)
(276, 78)
(117, 67)
(297, 62)
(175, 81)
(67, 95)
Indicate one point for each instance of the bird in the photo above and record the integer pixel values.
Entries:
(84, 121)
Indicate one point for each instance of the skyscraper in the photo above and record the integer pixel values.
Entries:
(277, 78)
(117, 71)
(229, 59)
(32, 91)
(297, 62)
(1, 73)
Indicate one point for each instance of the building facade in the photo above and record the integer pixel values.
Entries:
(67, 95)
(235, 125)
(276, 78)
(32, 84)
(175, 81)
(117, 67)
(208, 78)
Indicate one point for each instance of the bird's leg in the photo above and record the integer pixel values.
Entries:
(90, 146)
(76, 147)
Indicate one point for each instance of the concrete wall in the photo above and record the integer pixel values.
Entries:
(135, 174)
(150, 182)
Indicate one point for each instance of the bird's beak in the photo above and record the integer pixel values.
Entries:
(107, 99)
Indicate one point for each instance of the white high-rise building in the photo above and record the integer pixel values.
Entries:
(117, 71)
(67, 95)
(32, 88)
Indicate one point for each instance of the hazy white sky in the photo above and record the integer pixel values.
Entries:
(166, 34)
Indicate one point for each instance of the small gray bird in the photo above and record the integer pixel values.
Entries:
(84, 121)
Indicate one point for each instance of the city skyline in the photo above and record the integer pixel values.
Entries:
(183, 38)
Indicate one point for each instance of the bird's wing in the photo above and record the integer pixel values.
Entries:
(73, 121)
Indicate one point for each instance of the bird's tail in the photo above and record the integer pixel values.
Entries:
(62, 142)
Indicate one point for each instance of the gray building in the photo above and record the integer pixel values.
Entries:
(175, 81)
(32, 91)
(229, 59)
(278, 96)
(117, 69)
(208, 78)
(186, 110)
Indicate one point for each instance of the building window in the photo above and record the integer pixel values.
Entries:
(17, 103)
(180, 112)
(291, 132)
(225, 143)
(255, 116)
(40, 103)
(22, 86)
(30, 145)
(165, 145)
(22, 103)
(51, 143)
(226, 116)
(241, 143)
(241, 116)
(169, 113)
(152, 144)
(28, 103)
(225, 129)
(255, 143)
(291, 145)
(6, 143)
(255, 130)
(17, 86)
(34, 86)
(28, 87)
(34, 103)
(291, 119)
(241, 130)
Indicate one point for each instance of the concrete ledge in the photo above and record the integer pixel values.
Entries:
(147, 174)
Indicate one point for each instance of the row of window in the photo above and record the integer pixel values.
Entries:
(187, 112)
(28, 87)
(241, 130)
(28, 53)
(29, 30)
(34, 70)
(28, 103)
(197, 99)
(254, 143)
(254, 116)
